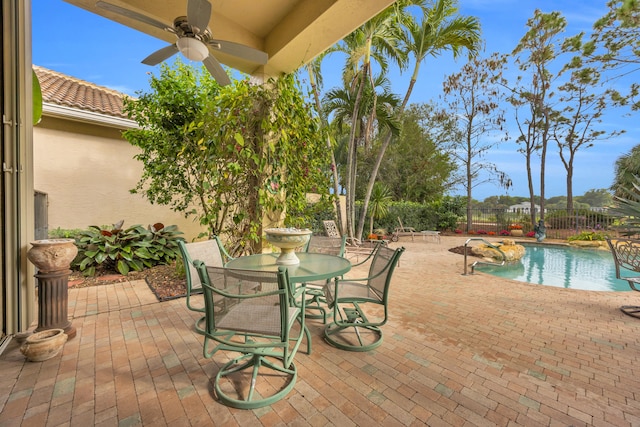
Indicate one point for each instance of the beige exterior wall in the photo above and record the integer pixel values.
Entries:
(87, 171)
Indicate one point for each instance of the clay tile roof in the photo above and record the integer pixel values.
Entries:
(60, 89)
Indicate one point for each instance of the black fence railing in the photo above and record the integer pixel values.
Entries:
(560, 223)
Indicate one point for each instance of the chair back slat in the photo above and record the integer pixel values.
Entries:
(326, 245)
(206, 251)
(244, 300)
(381, 269)
(330, 228)
(626, 254)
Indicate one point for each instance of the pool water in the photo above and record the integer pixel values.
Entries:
(565, 267)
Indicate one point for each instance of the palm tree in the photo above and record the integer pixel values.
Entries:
(441, 29)
(380, 200)
(315, 79)
(377, 39)
(626, 168)
(375, 114)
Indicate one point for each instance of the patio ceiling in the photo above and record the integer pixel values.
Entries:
(291, 32)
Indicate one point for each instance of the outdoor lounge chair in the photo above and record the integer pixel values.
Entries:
(626, 254)
(211, 252)
(402, 231)
(257, 318)
(351, 329)
(353, 247)
(323, 245)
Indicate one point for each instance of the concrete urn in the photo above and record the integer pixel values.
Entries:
(52, 254)
(43, 345)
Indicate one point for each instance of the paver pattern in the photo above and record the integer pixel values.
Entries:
(458, 350)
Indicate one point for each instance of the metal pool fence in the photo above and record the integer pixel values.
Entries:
(560, 223)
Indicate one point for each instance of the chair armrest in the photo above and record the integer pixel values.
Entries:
(373, 250)
(223, 251)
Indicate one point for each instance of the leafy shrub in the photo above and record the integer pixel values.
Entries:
(117, 249)
(505, 233)
(588, 236)
(61, 233)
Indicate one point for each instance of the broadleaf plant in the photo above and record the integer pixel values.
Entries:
(124, 250)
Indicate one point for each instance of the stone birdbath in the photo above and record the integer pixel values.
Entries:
(288, 240)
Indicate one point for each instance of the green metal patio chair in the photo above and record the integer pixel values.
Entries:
(259, 319)
(211, 252)
(626, 254)
(351, 329)
(315, 293)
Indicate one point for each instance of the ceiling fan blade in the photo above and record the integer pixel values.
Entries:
(216, 70)
(240, 50)
(160, 55)
(133, 15)
(199, 13)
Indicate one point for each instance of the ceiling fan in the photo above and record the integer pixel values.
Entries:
(194, 39)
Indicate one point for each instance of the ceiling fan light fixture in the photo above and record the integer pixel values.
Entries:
(192, 49)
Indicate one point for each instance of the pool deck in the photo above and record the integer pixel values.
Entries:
(472, 350)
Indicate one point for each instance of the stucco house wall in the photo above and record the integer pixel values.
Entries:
(87, 170)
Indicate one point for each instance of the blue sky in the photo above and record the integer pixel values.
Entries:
(72, 41)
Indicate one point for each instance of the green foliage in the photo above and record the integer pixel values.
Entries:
(61, 233)
(627, 167)
(417, 166)
(441, 215)
(596, 197)
(122, 250)
(379, 205)
(311, 216)
(588, 236)
(628, 207)
(613, 46)
(228, 155)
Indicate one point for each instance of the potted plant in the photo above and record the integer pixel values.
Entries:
(516, 230)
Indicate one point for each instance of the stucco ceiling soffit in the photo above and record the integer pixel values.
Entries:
(312, 27)
(292, 32)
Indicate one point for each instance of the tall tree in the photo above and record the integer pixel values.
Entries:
(228, 156)
(376, 112)
(315, 80)
(378, 39)
(614, 45)
(474, 96)
(600, 197)
(533, 93)
(441, 29)
(580, 110)
(418, 166)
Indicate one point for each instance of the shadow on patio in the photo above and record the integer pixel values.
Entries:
(458, 350)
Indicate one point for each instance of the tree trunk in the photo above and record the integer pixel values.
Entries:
(334, 167)
(570, 186)
(374, 172)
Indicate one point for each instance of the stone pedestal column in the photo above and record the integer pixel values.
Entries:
(53, 258)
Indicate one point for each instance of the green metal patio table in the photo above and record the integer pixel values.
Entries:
(313, 266)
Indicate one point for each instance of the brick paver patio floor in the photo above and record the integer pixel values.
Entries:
(458, 351)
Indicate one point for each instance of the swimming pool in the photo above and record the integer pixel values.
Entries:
(564, 267)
